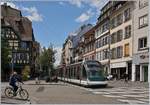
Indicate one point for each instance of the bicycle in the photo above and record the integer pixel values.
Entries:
(9, 92)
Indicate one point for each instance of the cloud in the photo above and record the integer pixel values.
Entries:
(77, 3)
(61, 3)
(94, 5)
(33, 14)
(58, 55)
(85, 16)
(97, 4)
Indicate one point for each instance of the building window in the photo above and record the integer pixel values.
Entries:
(113, 38)
(106, 40)
(143, 21)
(113, 53)
(24, 45)
(105, 27)
(142, 43)
(143, 3)
(119, 19)
(119, 52)
(127, 15)
(96, 44)
(105, 54)
(127, 32)
(113, 23)
(119, 35)
(126, 50)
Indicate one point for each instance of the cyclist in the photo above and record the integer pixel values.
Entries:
(13, 80)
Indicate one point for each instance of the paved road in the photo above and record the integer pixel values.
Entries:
(63, 93)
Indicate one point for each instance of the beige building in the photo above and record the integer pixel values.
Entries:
(121, 38)
(102, 33)
(72, 48)
(140, 42)
(67, 50)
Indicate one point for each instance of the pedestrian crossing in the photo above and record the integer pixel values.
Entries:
(129, 95)
(126, 94)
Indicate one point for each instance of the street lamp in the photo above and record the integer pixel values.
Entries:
(12, 61)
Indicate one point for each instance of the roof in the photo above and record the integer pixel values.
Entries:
(82, 30)
(22, 25)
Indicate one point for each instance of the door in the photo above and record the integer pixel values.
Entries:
(145, 73)
(129, 70)
(137, 72)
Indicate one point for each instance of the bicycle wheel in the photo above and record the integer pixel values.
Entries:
(24, 94)
(9, 92)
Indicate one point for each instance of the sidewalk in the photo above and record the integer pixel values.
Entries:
(32, 82)
(122, 83)
(114, 83)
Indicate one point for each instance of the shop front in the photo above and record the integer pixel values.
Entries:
(140, 67)
(118, 69)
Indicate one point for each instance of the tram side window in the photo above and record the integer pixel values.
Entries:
(84, 75)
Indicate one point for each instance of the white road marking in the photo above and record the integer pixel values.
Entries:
(136, 102)
(139, 96)
(115, 96)
(122, 94)
(144, 99)
(100, 93)
(131, 101)
(134, 92)
(118, 92)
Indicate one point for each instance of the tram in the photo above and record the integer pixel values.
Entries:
(86, 73)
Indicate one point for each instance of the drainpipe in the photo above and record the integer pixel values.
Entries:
(12, 64)
(149, 45)
(109, 42)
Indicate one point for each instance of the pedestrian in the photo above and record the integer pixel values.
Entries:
(125, 77)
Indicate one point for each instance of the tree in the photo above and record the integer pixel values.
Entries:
(5, 58)
(25, 73)
(47, 60)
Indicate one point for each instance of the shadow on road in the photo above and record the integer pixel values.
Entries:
(40, 89)
(47, 84)
(13, 100)
(8, 103)
(100, 87)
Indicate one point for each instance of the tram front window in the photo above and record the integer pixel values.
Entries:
(94, 75)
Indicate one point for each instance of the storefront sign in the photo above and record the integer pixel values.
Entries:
(141, 58)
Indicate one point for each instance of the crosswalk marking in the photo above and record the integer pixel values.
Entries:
(100, 93)
(139, 96)
(147, 100)
(132, 101)
(122, 94)
(114, 96)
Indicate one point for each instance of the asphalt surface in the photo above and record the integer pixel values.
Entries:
(64, 93)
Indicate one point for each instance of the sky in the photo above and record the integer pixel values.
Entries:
(53, 20)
